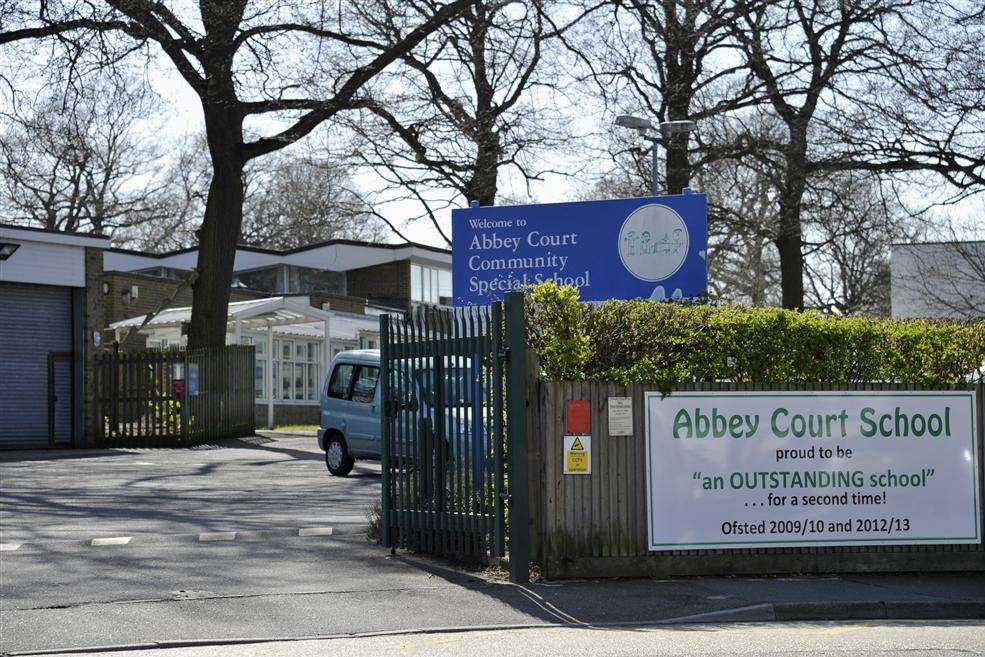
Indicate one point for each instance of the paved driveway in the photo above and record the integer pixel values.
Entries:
(254, 484)
(250, 539)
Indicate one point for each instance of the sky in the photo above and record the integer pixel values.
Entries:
(181, 115)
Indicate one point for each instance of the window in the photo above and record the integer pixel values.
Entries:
(259, 381)
(312, 388)
(299, 380)
(444, 283)
(286, 378)
(364, 387)
(338, 387)
(296, 369)
(276, 373)
(426, 283)
(415, 282)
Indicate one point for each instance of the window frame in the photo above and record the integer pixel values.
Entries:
(348, 388)
(355, 377)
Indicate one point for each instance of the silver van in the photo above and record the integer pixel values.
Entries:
(351, 410)
(349, 427)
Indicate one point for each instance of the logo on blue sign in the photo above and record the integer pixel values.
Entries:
(650, 248)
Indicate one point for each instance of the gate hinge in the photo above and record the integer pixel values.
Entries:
(504, 353)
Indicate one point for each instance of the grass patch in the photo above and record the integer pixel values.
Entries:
(297, 428)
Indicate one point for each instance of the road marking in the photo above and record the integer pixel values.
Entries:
(115, 540)
(315, 531)
(217, 536)
(9, 547)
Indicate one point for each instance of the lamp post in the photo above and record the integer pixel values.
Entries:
(668, 131)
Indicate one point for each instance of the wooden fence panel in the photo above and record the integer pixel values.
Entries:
(138, 404)
(596, 525)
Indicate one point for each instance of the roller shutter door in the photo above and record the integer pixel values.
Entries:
(34, 321)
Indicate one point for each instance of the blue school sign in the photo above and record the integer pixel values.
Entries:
(649, 248)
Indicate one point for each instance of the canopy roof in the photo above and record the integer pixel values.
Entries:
(289, 314)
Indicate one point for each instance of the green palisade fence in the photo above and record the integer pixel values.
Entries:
(447, 428)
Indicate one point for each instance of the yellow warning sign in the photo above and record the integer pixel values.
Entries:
(577, 455)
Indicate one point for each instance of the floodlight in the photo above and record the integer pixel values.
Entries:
(7, 249)
(634, 122)
(670, 129)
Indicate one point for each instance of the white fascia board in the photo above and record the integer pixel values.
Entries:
(351, 256)
(117, 261)
(331, 257)
(21, 235)
(44, 263)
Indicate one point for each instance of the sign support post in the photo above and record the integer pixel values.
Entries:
(516, 424)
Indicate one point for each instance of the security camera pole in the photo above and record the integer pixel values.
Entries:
(668, 131)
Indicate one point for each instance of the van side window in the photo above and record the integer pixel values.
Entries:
(364, 387)
(338, 386)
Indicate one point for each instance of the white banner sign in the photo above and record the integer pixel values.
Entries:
(780, 469)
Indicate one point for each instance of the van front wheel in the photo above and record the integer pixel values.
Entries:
(337, 457)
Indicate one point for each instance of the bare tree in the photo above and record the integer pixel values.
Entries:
(836, 74)
(742, 259)
(78, 161)
(243, 60)
(851, 224)
(297, 200)
(292, 199)
(480, 97)
(669, 60)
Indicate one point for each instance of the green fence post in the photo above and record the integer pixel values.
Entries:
(385, 411)
(516, 387)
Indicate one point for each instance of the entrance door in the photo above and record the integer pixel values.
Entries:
(61, 402)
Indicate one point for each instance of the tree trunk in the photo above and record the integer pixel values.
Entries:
(483, 185)
(678, 165)
(790, 237)
(220, 231)
(681, 77)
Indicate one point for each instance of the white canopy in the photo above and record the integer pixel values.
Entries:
(291, 315)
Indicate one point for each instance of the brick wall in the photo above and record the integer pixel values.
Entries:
(287, 414)
(387, 284)
(343, 304)
(152, 291)
(93, 319)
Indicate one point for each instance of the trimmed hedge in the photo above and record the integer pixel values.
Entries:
(673, 343)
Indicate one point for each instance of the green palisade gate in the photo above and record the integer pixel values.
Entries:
(452, 465)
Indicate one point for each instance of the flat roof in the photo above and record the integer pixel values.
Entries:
(34, 234)
(300, 249)
(937, 243)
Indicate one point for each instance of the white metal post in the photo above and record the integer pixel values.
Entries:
(268, 376)
(326, 356)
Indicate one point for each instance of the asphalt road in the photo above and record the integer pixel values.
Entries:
(256, 541)
(251, 484)
(767, 639)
